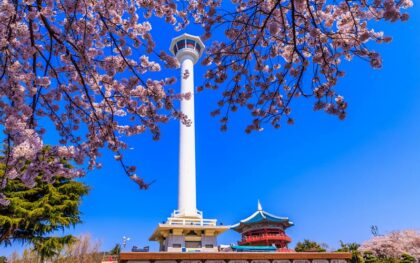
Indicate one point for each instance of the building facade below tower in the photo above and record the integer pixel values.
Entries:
(188, 235)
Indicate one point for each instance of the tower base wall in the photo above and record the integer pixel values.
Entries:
(236, 257)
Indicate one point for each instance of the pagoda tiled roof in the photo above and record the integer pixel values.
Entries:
(262, 216)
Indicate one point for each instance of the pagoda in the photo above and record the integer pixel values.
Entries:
(263, 231)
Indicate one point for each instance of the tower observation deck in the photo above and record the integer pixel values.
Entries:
(186, 229)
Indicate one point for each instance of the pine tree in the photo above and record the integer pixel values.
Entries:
(353, 248)
(369, 257)
(406, 258)
(34, 213)
(116, 250)
(348, 247)
(309, 246)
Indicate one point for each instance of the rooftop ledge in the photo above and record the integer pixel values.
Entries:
(191, 221)
(327, 257)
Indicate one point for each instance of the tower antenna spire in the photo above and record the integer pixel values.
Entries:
(259, 206)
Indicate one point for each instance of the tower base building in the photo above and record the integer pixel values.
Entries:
(183, 234)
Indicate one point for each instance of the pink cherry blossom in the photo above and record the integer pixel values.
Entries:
(71, 65)
(394, 244)
(64, 64)
(280, 50)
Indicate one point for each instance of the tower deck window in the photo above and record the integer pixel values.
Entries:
(181, 44)
(190, 43)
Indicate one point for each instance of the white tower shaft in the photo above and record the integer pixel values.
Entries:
(174, 235)
(187, 183)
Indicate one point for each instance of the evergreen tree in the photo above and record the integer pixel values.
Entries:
(369, 257)
(309, 246)
(406, 258)
(34, 213)
(116, 250)
(348, 247)
(356, 256)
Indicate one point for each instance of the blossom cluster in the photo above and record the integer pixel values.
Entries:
(280, 50)
(394, 245)
(69, 66)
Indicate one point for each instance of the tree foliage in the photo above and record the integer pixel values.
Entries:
(394, 245)
(35, 213)
(83, 249)
(116, 250)
(356, 255)
(369, 257)
(348, 247)
(48, 247)
(86, 68)
(279, 50)
(309, 246)
(406, 258)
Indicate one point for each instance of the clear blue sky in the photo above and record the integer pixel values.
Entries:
(334, 179)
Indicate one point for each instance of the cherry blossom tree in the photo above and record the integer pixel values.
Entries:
(82, 69)
(61, 62)
(279, 50)
(394, 245)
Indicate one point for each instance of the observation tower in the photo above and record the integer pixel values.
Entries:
(186, 230)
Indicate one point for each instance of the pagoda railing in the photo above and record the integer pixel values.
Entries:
(265, 237)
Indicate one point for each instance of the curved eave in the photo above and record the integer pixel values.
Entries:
(261, 216)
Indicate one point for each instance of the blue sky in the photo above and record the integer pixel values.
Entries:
(334, 179)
